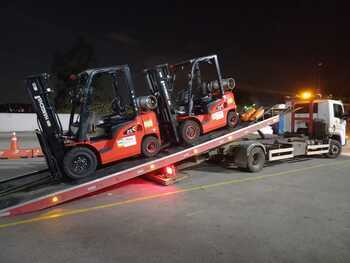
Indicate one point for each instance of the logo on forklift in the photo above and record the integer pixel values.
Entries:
(131, 130)
(217, 115)
(43, 110)
(220, 107)
(127, 141)
(35, 87)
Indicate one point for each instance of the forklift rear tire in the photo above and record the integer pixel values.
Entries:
(334, 149)
(79, 162)
(232, 119)
(190, 131)
(256, 160)
(150, 146)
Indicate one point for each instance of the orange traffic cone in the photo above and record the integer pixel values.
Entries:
(14, 152)
(13, 144)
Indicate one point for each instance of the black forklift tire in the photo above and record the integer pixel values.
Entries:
(150, 146)
(79, 162)
(256, 160)
(334, 149)
(189, 131)
(232, 119)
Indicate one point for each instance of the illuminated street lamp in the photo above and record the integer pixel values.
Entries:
(306, 95)
(320, 65)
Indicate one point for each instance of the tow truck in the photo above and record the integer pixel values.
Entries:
(40, 190)
(312, 126)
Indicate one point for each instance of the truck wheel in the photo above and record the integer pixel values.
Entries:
(256, 160)
(190, 131)
(232, 119)
(150, 146)
(334, 149)
(79, 162)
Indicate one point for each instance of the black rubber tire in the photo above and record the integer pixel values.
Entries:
(232, 119)
(189, 131)
(79, 162)
(150, 146)
(256, 160)
(335, 149)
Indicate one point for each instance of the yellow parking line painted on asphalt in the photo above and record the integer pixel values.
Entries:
(144, 198)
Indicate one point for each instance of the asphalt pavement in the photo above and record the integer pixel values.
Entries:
(296, 211)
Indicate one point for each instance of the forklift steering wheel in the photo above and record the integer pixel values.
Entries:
(117, 106)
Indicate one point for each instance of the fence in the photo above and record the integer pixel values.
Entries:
(25, 121)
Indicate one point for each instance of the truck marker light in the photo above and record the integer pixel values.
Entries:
(91, 188)
(54, 199)
(195, 151)
(152, 166)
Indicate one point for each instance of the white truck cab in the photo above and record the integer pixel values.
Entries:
(329, 110)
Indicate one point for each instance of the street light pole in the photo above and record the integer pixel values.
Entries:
(319, 69)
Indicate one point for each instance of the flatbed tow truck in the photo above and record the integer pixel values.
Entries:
(39, 190)
(36, 191)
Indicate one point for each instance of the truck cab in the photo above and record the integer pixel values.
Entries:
(306, 112)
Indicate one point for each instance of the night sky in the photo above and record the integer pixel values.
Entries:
(271, 50)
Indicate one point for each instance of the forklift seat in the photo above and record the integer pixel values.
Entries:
(116, 127)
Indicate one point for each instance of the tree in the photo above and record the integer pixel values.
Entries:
(79, 57)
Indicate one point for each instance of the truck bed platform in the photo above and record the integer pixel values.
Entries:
(52, 193)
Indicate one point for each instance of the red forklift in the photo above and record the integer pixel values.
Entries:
(130, 130)
(193, 98)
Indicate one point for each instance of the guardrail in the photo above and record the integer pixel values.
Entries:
(25, 122)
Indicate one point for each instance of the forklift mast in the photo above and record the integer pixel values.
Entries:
(159, 83)
(51, 132)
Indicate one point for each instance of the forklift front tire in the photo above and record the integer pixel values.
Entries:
(232, 119)
(150, 146)
(79, 162)
(190, 131)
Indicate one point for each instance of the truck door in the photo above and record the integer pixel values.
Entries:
(337, 123)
